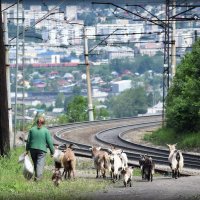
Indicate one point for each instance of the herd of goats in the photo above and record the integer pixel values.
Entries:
(115, 162)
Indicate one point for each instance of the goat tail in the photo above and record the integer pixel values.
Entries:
(106, 162)
(178, 156)
(181, 161)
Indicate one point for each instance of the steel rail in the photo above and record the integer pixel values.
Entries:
(114, 136)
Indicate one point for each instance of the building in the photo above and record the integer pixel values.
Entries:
(120, 86)
(157, 109)
(71, 13)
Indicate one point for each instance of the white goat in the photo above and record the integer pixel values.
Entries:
(101, 161)
(117, 165)
(124, 159)
(58, 155)
(176, 160)
(121, 154)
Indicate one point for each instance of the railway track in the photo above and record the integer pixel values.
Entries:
(112, 132)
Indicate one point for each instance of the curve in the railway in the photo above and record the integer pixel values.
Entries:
(114, 136)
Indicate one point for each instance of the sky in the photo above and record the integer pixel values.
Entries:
(39, 2)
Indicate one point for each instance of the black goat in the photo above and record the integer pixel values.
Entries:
(147, 167)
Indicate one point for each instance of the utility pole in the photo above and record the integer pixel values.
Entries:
(4, 122)
(90, 106)
(23, 59)
(195, 35)
(173, 47)
(16, 72)
(8, 76)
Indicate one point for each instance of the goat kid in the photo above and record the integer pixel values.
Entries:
(57, 177)
(127, 176)
(176, 160)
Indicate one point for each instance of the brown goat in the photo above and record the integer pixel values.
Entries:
(69, 162)
(101, 161)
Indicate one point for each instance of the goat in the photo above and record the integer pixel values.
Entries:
(58, 156)
(141, 164)
(127, 175)
(65, 159)
(101, 161)
(69, 162)
(121, 154)
(56, 177)
(117, 165)
(176, 160)
(147, 167)
(124, 159)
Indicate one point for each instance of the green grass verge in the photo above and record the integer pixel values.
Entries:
(14, 186)
(185, 141)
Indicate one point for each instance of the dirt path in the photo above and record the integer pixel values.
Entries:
(162, 188)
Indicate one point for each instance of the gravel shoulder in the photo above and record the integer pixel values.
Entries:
(162, 188)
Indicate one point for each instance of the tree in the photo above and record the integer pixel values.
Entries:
(143, 63)
(4, 122)
(119, 65)
(182, 103)
(76, 90)
(102, 113)
(59, 100)
(130, 102)
(62, 119)
(67, 100)
(77, 109)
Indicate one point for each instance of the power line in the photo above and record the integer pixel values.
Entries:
(41, 19)
(11, 6)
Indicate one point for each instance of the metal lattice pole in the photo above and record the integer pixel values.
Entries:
(166, 70)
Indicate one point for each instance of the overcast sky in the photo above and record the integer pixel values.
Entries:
(48, 2)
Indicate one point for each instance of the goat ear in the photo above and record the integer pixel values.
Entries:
(168, 145)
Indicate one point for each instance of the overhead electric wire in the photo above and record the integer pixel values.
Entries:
(39, 20)
(11, 6)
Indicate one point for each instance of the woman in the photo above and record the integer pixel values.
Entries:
(39, 139)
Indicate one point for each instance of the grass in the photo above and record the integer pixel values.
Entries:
(14, 186)
(185, 141)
